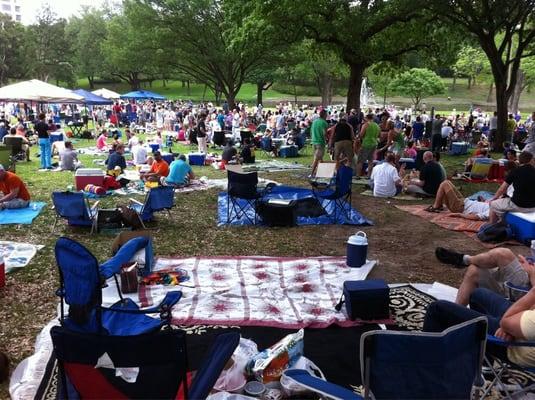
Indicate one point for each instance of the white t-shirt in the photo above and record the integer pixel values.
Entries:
(480, 208)
(133, 141)
(446, 131)
(139, 154)
(384, 177)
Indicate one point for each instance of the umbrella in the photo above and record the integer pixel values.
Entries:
(91, 98)
(38, 91)
(142, 95)
(106, 93)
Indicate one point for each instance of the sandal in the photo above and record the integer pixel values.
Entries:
(433, 209)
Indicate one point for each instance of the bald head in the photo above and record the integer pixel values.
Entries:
(428, 156)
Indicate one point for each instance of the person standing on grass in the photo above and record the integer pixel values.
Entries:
(318, 132)
(44, 142)
(368, 144)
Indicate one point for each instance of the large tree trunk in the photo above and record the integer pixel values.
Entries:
(325, 87)
(259, 92)
(355, 82)
(188, 91)
(91, 80)
(517, 92)
(469, 82)
(454, 83)
(501, 108)
(134, 81)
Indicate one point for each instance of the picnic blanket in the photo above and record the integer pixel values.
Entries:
(24, 215)
(17, 255)
(446, 221)
(348, 215)
(273, 166)
(400, 196)
(279, 292)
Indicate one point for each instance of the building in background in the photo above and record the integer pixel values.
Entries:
(13, 8)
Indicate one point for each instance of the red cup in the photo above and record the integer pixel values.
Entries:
(2, 275)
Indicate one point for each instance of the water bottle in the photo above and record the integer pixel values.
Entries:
(357, 250)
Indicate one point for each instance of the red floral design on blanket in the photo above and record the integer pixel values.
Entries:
(261, 291)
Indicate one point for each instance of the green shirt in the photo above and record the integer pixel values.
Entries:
(319, 126)
(371, 135)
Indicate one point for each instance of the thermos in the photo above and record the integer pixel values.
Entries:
(357, 250)
(2, 274)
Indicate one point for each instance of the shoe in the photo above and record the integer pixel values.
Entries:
(449, 257)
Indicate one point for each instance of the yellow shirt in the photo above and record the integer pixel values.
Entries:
(524, 356)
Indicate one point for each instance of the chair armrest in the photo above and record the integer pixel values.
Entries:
(318, 385)
(523, 289)
(135, 201)
(128, 306)
(500, 342)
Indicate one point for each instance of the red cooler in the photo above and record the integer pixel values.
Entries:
(88, 176)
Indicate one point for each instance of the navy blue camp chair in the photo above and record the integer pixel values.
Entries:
(242, 195)
(81, 280)
(161, 198)
(266, 145)
(73, 207)
(338, 195)
(159, 359)
(413, 365)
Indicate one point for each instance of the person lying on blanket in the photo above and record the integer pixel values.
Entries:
(482, 287)
(15, 194)
(449, 196)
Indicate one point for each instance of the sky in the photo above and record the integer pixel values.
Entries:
(63, 8)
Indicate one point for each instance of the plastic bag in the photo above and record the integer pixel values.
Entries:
(268, 365)
(291, 388)
(232, 379)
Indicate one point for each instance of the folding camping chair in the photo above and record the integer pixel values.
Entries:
(157, 199)
(413, 365)
(81, 288)
(242, 194)
(480, 169)
(5, 158)
(266, 145)
(145, 366)
(15, 143)
(73, 207)
(337, 194)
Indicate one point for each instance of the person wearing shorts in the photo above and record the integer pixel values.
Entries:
(368, 139)
(448, 195)
(488, 270)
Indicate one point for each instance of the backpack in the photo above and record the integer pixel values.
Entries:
(496, 232)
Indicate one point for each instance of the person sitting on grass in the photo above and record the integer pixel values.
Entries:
(229, 154)
(247, 155)
(449, 196)
(101, 141)
(410, 150)
(139, 153)
(180, 173)
(158, 169)
(15, 194)
(385, 180)
(483, 153)
(68, 159)
(116, 162)
(431, 176)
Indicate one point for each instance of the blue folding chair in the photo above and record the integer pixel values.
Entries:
(73, 207)
(413, 365)
(81, 281)
(161, 198)
(146, 366)
(338, 195)
(266, 145)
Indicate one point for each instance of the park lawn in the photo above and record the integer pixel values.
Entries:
(28, 301)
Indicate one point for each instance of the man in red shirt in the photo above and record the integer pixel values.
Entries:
(15, 194)
(158, 169)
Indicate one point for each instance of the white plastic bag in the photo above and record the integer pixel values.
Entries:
(233, 379)
(292, 388)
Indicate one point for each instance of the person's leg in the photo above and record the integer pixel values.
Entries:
(490, 303)
(15, 203)
(443, 314)
(499, 207)
(441, 192)
(452, 198)
(42, 161)
(48, 150)
(415, 189)
(468, 285)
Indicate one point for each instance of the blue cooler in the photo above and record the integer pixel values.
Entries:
(357, 250)
(459, 148)
(367, 300)
(522, 225)
(288, 151)
(196, 158)
(154, 147)
(169, 158)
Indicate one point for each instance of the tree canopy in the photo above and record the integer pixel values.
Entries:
(417, 83)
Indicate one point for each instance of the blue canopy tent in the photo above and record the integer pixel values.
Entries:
(142, 95)
(92, 99)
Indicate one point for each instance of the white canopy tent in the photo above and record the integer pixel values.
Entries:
(106, 93)
(39, 92)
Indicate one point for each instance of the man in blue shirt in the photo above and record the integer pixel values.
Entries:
(180, 173)
(116, 160)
